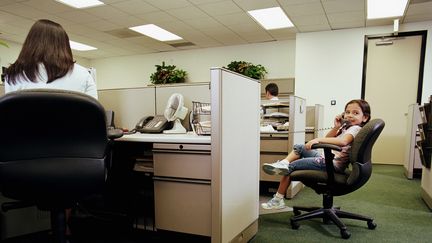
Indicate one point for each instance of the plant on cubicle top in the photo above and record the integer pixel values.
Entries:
(2, 43)
(167, 74)
(248, 69)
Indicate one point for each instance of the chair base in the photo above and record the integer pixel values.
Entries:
(332, 214)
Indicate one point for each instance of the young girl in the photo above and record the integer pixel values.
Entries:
(357, 114)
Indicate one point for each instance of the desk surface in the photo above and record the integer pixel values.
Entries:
(166, 138)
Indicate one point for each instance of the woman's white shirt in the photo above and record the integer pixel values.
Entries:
(78, 79)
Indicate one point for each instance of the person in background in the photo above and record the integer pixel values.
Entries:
(46, 62)
(357, 114)
(272, 91)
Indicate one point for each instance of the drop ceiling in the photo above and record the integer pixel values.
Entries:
(201, 23)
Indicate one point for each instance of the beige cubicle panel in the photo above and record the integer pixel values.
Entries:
(129, 105)
(235, 156)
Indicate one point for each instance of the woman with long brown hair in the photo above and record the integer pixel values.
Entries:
(46, 61)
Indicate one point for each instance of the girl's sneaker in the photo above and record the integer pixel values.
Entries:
(280, 167)
(274, 203)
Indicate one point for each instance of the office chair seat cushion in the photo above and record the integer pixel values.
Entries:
(316, 176)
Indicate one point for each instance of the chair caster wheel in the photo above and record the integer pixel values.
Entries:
(294, 225)
(371, 225)
(296, 212)
(345, 234)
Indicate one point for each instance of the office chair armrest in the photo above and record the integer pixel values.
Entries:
(326, 146)
(329, 156)
(114, 133)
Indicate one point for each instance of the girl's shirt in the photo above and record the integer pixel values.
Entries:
(341, 158)
(78, 79)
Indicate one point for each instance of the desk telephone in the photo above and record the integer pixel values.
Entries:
(152, 124)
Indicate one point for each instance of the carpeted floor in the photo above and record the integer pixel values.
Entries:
(391, 199)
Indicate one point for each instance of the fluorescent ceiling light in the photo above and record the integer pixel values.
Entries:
(271, 18)
(155, 32)
(80, 47)
(81, 3)
(379, 9)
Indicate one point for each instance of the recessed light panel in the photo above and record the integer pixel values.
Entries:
(155, 32)
(271, 18)
(80, 47)
(81, 3)
(379, 9)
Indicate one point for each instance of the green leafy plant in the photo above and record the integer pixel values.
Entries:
(166, 74)
(2, 43)
(248, 69)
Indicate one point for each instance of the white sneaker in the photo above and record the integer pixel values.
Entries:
(274, 203)
(280, 167)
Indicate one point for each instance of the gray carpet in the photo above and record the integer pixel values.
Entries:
(391, 199)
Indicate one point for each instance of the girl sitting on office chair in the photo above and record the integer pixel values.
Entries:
(357, 114)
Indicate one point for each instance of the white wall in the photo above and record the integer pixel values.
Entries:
(134, 71)
(329, 65)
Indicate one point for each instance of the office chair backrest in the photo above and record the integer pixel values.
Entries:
(53, 141)
(361, 151)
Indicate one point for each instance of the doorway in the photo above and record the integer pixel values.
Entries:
(392, 80)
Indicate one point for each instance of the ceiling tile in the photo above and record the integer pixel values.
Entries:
(169, 4)
(187, 13)
(105, 12)
(235, 18)
(135, 7)
(346, 17)
(318, 19)
(220, 8)
(304, 9)
(157, 17)
(205, 23)
(78, 16)
(337, 6)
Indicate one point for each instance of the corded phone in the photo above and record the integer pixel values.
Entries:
(152, 124)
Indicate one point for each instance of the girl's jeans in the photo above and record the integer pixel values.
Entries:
(309, 160)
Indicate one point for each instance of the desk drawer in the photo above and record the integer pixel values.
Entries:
(183, 206)
(274, 145)
(182, 163)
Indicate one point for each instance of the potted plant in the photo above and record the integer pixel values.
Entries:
(166, 74)
(248, 69)
(2, 43)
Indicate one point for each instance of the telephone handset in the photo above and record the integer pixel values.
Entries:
(151, 124)
(344, 122)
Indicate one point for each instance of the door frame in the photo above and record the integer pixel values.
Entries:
(422, 33)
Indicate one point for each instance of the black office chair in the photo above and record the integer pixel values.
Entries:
(53, 151)
(331, 184)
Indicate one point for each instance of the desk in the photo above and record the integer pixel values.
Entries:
(181, 174)
(233, 153)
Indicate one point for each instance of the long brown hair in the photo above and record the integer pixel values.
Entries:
(48, 43)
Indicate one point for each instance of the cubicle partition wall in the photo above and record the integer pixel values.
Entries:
(129, 105)
(314, 122)
(235, 156)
